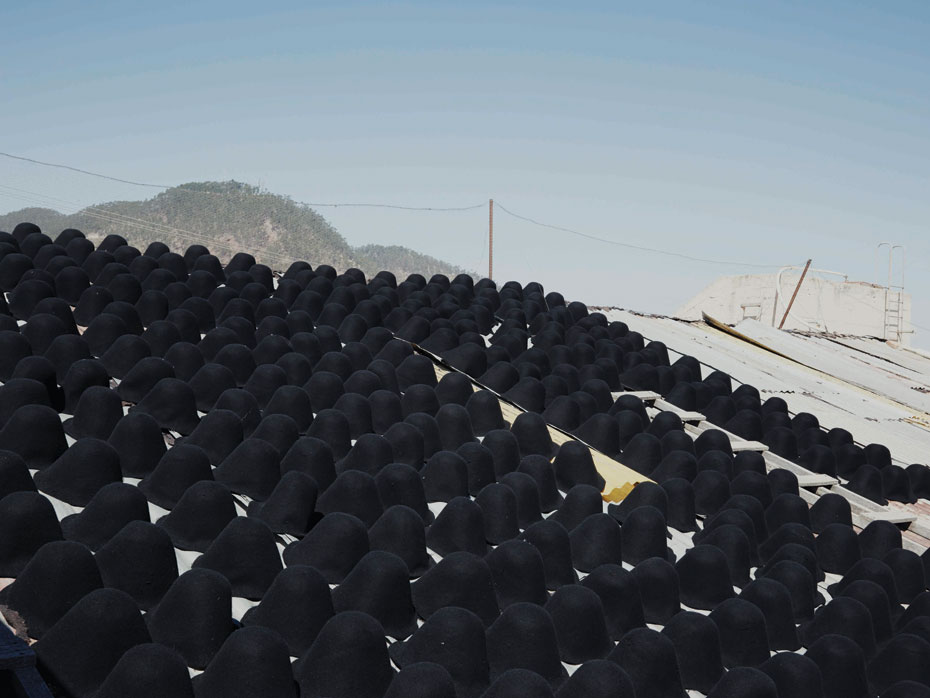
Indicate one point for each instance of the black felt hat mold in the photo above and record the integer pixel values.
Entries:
(332, 547)
(80, 472)
(245, 553)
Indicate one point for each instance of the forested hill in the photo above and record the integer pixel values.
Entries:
(231, 217)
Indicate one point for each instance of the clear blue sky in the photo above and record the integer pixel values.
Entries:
(754, 132)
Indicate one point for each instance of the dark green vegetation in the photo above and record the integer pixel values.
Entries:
(231, 217)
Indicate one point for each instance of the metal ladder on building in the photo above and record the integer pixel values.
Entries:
(894, 313)
(893, 316)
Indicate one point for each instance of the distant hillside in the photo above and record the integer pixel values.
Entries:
(231, 217)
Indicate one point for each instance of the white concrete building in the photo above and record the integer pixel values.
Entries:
(834, 305)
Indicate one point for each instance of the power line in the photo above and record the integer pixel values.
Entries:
(630, 246)
(213, 193)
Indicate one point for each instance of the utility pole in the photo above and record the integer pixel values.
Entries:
(490, 238)
(795, 294)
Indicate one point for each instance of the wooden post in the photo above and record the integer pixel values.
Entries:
(490, 238)
(794, 295)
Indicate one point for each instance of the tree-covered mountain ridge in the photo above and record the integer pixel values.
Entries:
(231, 217)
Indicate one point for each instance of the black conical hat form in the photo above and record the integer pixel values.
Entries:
(871, 569)
(139, 441)
(148, 671)
(422, 680)
(399, 530)
(142, 377)
(353, 492)
(290, 507)
(704, 577)
(596, 541)
(178, 469)
(908, 573)
(312, 457)
(400, 484)
(794, 675)
(28, 521)
(459, 527)
(18, 392)
(209, 383)
(369, 454)
(332, 427)
(681, 513)
(644, 535)
(41, 369)
(82, 375)
(643, 453)
(711, 490)
(504, 449)
(507, 651)
(540, 469)
(527, 494)
(445, 477)
(728, 518)
(737, 549)
(575, 466)
(13, 347)
(80, 650)
(800, 584)
(111, 508)
(842, 666)
(14, 474)
(648, 657)
(80, 472)
(252, 469)
(194, 616)
(643, 494)
(379, 586)
(246, 554)
(453, 638)
(459, 579)
(578, 615)
(96, 414)
(296, 606)
(498, 506)
(906, 657)
(485, 411)
(580, 502)
(294, 402)
(279, 430)
(59, 575)
(554, 544)
(842, 616)
(479, 464)
(139, 560)
(601, 431)
(743, 638)
(518, 573)
(875, 599)
(406, 443)
(202, 512)
(34, 433)
(455, 426)
(697, 646)
(620, 597)
(333, 546)
(658, 589)
(879, 538)
(755, 484)
(173, 405)
(348, 658)
(251, 661)
(830, 508)
(774, 600)
(532, 435)
(218, 434)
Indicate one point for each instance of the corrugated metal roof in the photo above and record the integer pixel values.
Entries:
(863, 385)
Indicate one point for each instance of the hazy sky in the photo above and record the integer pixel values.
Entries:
(761, 133)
